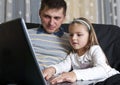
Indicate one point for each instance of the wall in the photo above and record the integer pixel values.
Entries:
(97, 11)
(11, 9)
(82, 8)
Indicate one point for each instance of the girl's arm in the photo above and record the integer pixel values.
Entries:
(48, 72)
(100, 68)
(64, 66)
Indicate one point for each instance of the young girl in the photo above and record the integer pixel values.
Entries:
(87, 60)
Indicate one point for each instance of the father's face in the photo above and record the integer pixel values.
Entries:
(52, 19)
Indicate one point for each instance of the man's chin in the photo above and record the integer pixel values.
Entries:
(50, 32)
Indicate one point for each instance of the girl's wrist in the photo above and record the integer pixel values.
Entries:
(53, 70)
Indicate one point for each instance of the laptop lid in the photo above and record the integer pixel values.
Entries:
(18, 64)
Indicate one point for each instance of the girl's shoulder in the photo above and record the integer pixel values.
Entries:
(95, 48)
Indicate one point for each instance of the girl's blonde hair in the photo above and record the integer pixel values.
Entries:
(92, 35)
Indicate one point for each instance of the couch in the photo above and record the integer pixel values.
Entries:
(109, 39)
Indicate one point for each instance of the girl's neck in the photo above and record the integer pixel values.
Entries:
(80, 52)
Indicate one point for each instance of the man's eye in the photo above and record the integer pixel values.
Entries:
(46, 16)
(57, 18)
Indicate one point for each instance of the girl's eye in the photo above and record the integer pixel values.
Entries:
(79, 34)
(70, 34)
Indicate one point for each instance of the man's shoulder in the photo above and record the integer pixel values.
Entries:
(65, 35)
(32, 30)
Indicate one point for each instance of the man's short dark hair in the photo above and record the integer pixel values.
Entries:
(54, 4)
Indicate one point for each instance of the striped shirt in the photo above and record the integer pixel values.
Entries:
(49, 48)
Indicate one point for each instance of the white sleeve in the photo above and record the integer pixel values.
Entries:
(63, 66)
(100, 67)
(90, 73)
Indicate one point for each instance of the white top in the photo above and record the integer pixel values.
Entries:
(90, 66)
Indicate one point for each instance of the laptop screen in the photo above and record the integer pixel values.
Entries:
(18, 64)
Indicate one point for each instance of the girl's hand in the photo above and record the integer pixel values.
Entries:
(48, 72)
(66, 76)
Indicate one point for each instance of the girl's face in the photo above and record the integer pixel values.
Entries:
(78, 36)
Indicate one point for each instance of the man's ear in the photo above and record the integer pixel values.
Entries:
(64, 21)
(39, 12)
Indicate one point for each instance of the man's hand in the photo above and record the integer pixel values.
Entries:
(66, 76)
(48, 72)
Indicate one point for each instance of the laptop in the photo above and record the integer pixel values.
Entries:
(18, 65)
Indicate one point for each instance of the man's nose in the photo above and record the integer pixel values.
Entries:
(51, 21)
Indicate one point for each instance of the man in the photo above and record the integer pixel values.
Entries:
(50, 42)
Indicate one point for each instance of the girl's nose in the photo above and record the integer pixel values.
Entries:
(74, 37)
